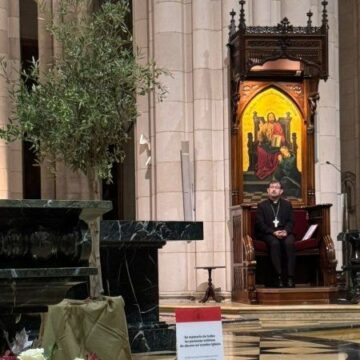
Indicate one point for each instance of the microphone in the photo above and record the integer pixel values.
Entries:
(345, 200)
(334, 166)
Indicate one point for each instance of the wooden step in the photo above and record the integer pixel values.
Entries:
(296, 296)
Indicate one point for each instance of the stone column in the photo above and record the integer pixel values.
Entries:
(261, 12)
(328, 179)
(143, 179)
(211, 139)
(46, 57)
(66, 184)
(223, 170)
(296, 11)
(4, 107)
(349, 38)
(15, 165)
(10, 154)
(172, 124)
(275, 12)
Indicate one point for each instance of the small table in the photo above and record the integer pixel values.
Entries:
(210, 293)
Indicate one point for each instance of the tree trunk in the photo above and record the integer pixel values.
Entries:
(96, 285)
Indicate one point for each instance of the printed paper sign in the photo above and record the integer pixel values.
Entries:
(199, 334)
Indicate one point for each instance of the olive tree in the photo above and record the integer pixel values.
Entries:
(81, 111)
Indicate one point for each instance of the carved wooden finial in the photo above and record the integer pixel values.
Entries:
(284, 26)
(242, 24)
(232, 27)
(324, 16)
(309, 22)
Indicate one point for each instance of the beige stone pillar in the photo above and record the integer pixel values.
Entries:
(142, 25)
(209, 145)
(66, 184)
(46, 57)
(10, 154)
(349, 40)
(328, 180)
(172, 124)
(275, 12)
(261, 12)
(296, 11)
(15, 165)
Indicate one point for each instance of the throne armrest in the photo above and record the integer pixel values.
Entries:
(249, 250)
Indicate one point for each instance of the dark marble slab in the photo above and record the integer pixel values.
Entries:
(46, 233)
(44, 249)
(46, 272)
(24, 296)
(150, 232)
(94, 207)
(153, 337)
(133, 274)
(129, 258)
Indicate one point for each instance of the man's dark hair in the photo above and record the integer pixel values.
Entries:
(276, 182)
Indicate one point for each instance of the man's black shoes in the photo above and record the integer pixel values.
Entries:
(280, 283)
(290, 283)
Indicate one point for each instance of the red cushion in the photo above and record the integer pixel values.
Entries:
(260, 245)
(306, 244)
(299, 245)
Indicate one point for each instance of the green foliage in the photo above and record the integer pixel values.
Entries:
(85, 104)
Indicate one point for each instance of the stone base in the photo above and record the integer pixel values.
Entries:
(192, 297)
(296, 296)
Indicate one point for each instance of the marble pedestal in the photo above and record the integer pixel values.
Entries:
(129, 258)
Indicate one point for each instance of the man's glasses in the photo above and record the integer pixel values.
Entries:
(274, 187)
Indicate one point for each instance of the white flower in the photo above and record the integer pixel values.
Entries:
(32, 354)
(78, 359)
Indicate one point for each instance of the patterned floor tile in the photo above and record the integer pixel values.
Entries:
(269, 346)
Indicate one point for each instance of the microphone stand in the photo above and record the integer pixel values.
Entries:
(345, 200)
(350, 245)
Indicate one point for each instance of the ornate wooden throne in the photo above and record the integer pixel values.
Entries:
(277, 69)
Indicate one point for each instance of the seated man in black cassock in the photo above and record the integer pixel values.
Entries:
(274, 225)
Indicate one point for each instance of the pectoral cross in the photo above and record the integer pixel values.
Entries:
(276, 222)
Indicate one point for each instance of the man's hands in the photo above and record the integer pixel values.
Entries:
(280, 234)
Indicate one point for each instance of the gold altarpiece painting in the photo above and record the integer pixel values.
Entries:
(272, 139)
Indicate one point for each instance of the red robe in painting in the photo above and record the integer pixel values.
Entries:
(267, 156)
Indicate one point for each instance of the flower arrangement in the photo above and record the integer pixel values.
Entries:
(32, 354)
(37, 354)
(8, 356)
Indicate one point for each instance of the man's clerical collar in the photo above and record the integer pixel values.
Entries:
(275, 201)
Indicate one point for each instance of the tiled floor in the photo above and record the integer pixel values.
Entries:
(276, 345)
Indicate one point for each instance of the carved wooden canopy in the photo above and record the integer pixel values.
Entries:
(255, 45)
(283, 59)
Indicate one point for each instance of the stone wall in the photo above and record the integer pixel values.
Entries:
(349, 31)
(189, 39)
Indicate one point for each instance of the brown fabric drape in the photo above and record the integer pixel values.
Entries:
(77, 328)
